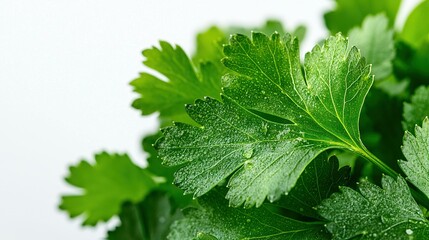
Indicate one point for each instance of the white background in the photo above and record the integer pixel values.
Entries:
(64, 94)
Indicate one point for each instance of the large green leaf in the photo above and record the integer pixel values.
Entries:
(417, 109)
(416, 151)
(348, 14)
(375, 213)
(274, 119)
(106, 185)
(184, 83)
(375, 41)
(319, 180)
(213, 219)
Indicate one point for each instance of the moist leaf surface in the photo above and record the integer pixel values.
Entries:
(213, 219)
(319, 180)
(389, 212)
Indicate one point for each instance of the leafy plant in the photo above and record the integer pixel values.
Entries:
(302, 145)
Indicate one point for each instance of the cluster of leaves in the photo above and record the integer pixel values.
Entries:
(247, 123)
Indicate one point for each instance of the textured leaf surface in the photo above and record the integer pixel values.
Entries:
(417, 109)
(184, 83)
(415, 31)
(348, 14)
(375, 213)
(112, 180)
(319, 180)
(215, 220)
(416, 151)
(273, 121)
(375, 41)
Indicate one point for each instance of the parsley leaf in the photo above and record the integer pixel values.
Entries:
(213, 219)
(375, 41)
(112, 180)
(319, 180)
(185, 83)
(375, 213)
(274, 119)
(348, 14)
(417, 109)
(416, 151)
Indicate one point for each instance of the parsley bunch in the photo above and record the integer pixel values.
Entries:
(261, 144)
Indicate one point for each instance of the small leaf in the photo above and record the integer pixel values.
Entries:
(111, 181)
(416, 151)
(417, 109)
(375, 41)
(348, 14)
(185, 82)
(215, 219)
(375, 213)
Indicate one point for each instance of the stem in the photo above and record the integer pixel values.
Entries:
(375, 160)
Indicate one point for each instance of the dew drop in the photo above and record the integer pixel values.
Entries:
(248, 220)
(248, 164)
(409, 231)
(248, 153)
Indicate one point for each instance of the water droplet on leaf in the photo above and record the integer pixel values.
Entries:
(248, 153)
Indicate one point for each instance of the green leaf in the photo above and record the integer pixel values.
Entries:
(215, 219)
(348, 14)
(416, 151)
(269, 27)
(417, 109)
(209, 46)
(415, 31)
(375, 41)
(150, 219)
(112, 180)
(375, 213)
(184, 83)
(274, 119)
(319, 180)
